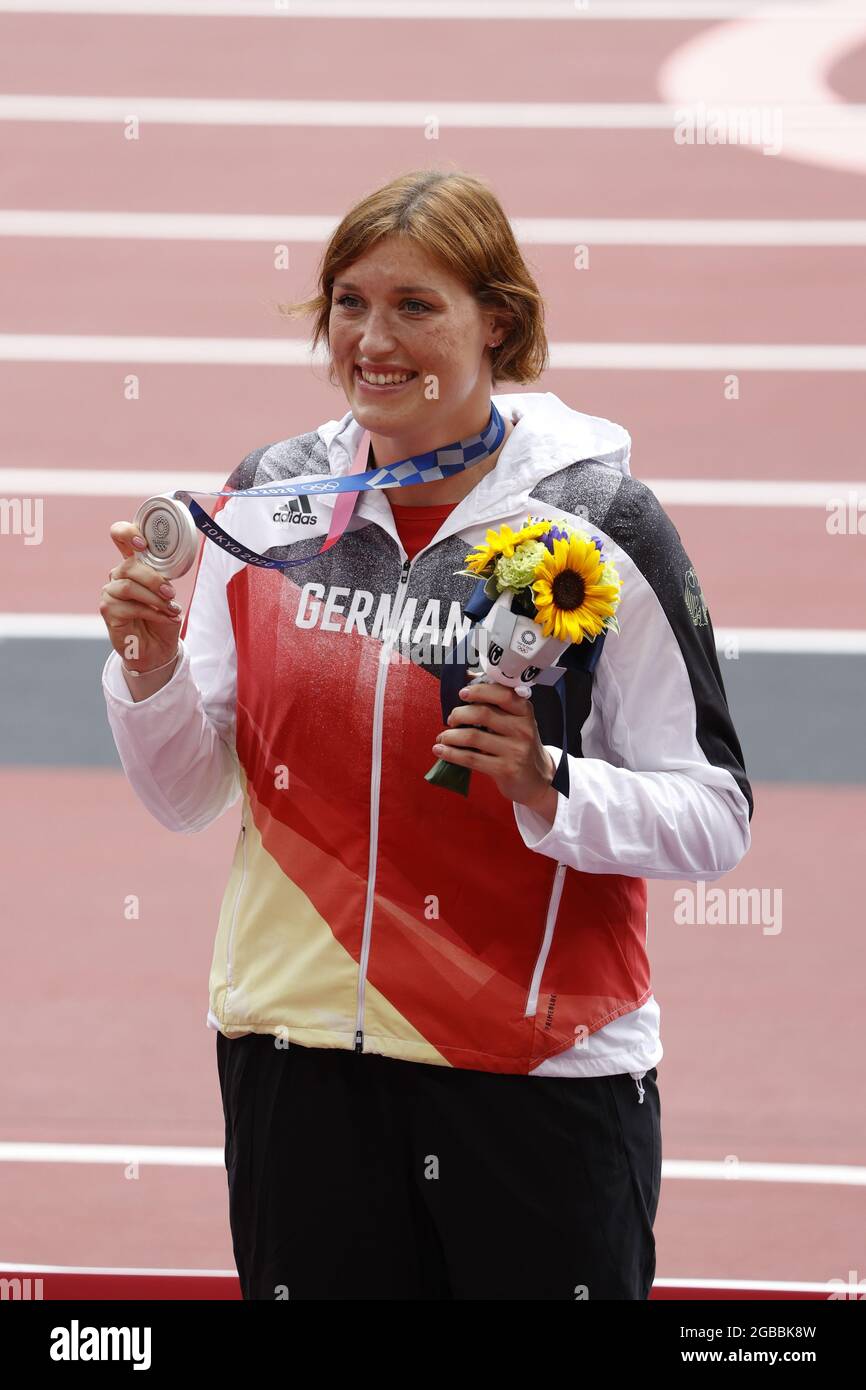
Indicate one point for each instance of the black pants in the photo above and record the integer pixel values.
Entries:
(356, 1176)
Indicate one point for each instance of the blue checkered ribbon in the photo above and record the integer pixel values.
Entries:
(421, 468)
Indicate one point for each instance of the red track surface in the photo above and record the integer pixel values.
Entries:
(105, 1034)
(583, 173)
(790, 425)
(160, 289)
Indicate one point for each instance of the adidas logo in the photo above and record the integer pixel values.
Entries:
(297, 510)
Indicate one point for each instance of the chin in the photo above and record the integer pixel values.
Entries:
(385, 419)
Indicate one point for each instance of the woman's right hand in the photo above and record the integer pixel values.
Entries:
(136, 606)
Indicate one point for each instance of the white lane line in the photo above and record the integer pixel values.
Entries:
(94, 482)
(812, 118)
(531, 231)
(678, 492)
(748, 492)
(419, 9)
(776, 65)
(828, 642)
(72, 626)
(782, 1286)
(294, 352)
(721, 357)
(172, 1156)
(842, 1175)
(94, 347)
(158, 1155)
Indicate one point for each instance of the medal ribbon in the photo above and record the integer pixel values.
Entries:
(421, 468)
(437, 463)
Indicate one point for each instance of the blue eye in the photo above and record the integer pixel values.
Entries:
(341, 301)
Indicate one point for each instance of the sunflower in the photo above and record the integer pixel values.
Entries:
(502, 542)
(571, 591)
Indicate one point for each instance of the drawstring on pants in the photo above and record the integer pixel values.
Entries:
(636, 1077)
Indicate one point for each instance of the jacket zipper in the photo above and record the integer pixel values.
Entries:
(549, 926)
(229, 964)
(375, 778)
(375, 781)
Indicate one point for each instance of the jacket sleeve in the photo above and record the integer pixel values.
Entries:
(661, 789)
(177, 747)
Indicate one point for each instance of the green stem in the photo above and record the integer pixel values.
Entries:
(450, 776)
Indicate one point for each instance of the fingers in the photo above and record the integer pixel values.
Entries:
(122, 533)
(492, 716)
(116, 614)
(143, 590)
(490, 725)
(492, 693)
(464, 717)
(149, 585)
(471, 740)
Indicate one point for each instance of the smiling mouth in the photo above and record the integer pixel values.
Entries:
(384, 380)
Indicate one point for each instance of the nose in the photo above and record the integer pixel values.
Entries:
(377, 336)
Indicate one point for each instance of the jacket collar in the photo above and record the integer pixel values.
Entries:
(548, 436)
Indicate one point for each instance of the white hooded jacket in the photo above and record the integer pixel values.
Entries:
(658, 788)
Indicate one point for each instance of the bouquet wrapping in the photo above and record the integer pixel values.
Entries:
(542, 590)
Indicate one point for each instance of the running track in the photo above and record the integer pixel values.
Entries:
(155, 257)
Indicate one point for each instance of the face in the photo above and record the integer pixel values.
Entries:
(398, 313)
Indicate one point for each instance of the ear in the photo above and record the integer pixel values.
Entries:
(498, 328)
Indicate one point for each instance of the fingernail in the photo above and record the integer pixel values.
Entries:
(465, 691)
(175, 607)
(139, 542)
(166, 590)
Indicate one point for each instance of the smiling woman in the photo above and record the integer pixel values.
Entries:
(407, 984)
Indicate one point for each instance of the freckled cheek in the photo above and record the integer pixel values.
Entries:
(340, 339)
(443, 353)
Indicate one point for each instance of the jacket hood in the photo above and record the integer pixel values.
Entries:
(556, 433)
(551, 436)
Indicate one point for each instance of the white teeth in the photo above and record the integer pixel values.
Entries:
(392, 379)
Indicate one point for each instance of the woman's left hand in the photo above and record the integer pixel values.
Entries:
(495, 732)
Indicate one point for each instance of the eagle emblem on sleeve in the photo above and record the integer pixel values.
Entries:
(695, 600)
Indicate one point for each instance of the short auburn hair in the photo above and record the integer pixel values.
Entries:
(457, 220)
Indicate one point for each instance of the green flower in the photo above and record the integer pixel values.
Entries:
(519, 571)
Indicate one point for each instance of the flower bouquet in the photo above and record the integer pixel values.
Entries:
(547, 586)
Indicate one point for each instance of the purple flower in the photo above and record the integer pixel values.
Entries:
(559, 533)
(556, 533)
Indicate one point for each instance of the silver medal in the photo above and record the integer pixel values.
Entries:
(171, 534)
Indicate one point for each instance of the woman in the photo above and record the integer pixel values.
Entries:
(436, 1035)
